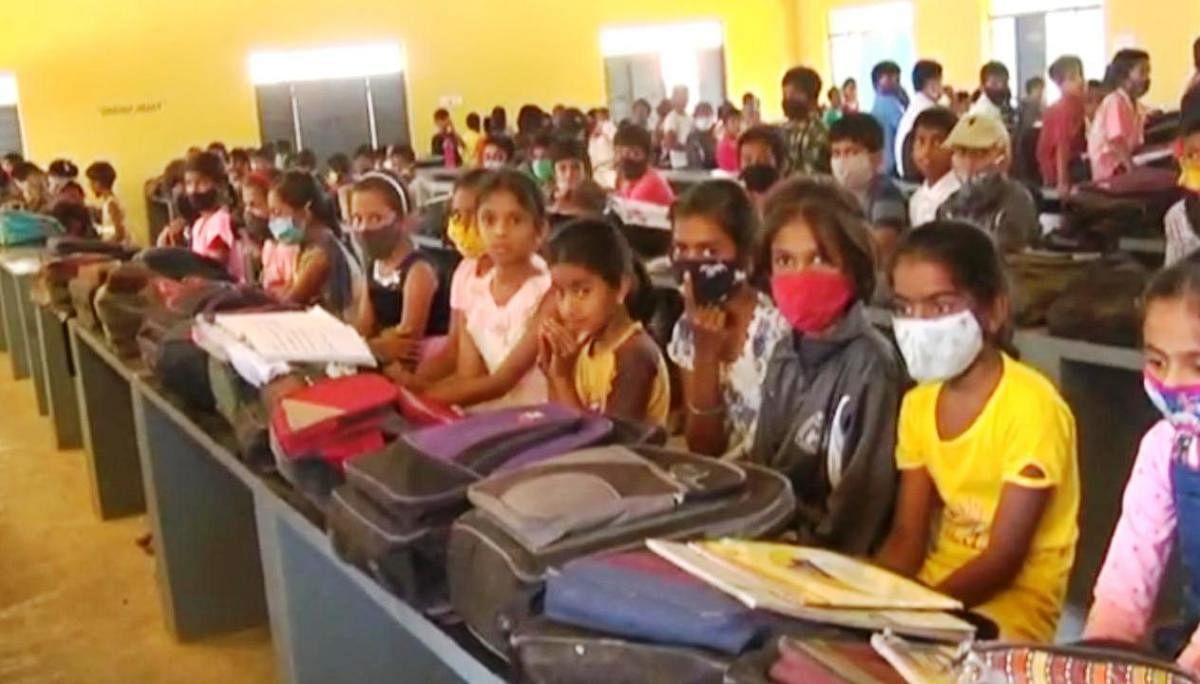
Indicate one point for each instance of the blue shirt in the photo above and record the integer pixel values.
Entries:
(888, 110)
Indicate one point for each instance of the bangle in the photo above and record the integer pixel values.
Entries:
(714, 411)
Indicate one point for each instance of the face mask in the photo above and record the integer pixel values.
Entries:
(543, 169)
(633, 169)
(284, 229)
(812, 300)
(203, 201)
(795, 109)
(1179, 405)
(257, 226)
(381, 242)
(466, 238)
(493, 164)
(938, 349)
(704, 124)
(759, 177)
(853, 171)
(712, 279)
(1189, 177)
(979, 177)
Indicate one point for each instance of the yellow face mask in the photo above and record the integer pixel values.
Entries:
(1189, 179)
(466, 238)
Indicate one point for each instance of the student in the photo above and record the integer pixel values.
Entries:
(538, 163)
(988, 198)
(849, 95)
(445, 142)
(927, 92)
(305, 161)
(472, 138)
(986, 444)
(1033, 105)
(1119, 127)
(499, 126)
(857, 143)
(995, 99)
(933, 160)
(405, 303)
(761, 155)
(702, 141)
(495, 364)
(211, 233)
(888, 109)
(640, 113)
(1183, 218)
(401, 162)
(805, 135)
(10, 162)
(833, 111)
(326, 273)
(727, 144)
(263, 159)
(832, 387)
(239, 166)
(725, 338)
(600, 149)
(103, 178)
(1062, 140)
(1158, 512)
(59, 173)
(635, 179)
(498, 151)
(592, 347)
(275, 266)
(74, 218)
(1194, 80)
(34, 187)
(676, 127)
(72, 193)
(574, 193)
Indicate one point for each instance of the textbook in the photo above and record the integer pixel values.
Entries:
(818, 586)
(312, 336)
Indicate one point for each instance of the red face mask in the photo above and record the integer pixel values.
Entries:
(813, 299)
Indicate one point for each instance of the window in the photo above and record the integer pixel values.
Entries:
(1028, 35)
(648, 61)
(331, 99)
(10, 120)
(861, 37)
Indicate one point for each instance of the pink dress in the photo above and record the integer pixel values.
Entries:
(497, 329)
(1141, 547)
(727, 154)
(212, 234)
(651, 187)
(279, 266)
(1118, 120)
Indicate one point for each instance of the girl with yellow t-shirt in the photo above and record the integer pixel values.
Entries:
(985, 443)
(593, 349)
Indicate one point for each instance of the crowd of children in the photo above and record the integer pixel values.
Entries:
(967, 481)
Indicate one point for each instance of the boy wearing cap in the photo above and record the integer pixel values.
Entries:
(1003, 208)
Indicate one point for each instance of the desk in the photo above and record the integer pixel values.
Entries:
(13, 292)
(102, 387)
(54, 349)
(232, 554)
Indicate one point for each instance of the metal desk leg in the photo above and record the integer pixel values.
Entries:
(33, 351)
(330, 623)
(13, 332)
(54, 343)
(106, 415)
(205, 543)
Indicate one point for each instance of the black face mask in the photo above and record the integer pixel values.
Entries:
(759, 177)
(712, 279)
(257, 227)
(203, 201)
(379, 243)
(185, 209)
(795, 109)
(633, 169)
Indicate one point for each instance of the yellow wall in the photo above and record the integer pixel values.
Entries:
(186, 61)
(955, 32)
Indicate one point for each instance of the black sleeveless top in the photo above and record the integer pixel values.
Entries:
(387, 300)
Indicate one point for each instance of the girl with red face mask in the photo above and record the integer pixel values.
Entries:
(832, 388)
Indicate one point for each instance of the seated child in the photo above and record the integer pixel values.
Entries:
(102, 177)
(212, 233)
(276, 262)
(593, 349)
(634, 147)
(1183, 219)
(832, 387)
(986, 444)
(932, 159)
(856, 159)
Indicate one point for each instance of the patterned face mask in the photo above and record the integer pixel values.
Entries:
(939, 349)
(1179, 405)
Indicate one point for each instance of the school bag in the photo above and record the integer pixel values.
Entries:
(178, 263)
(51, 286)
(25, 227)
(315, 429)
(1131, 204)
(495, 579)
(82, 289)
(1101, 305)
(67, 245)
(394, 513)
(639, 595)
(1039, 278)
(1082, 664)
(121, 304)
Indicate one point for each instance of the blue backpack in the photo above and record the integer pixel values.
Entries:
(24, 227)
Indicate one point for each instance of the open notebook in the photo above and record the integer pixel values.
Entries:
(312, 336)
(819, 586)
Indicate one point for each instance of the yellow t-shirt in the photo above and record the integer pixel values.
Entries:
(596, 371)
(1024, 423)
(471, 142)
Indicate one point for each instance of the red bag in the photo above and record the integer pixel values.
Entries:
(330, 416)
(424, 412)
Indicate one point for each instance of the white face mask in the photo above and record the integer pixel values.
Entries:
(938, 349)
(853, 171)
(492, 164)
(704, 124)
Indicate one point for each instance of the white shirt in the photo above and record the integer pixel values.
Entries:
(600, 151)
(985, 107)
(920, 102)
(681, 124)
(1181, 238)
(924, 203)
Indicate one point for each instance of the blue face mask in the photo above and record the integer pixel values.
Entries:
(284, 229)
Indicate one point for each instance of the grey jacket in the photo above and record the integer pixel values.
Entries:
(1002, 207)
(828, 422)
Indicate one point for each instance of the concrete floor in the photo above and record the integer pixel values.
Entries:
(78, 601)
